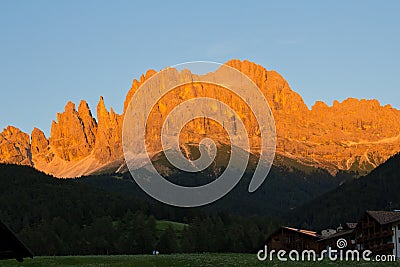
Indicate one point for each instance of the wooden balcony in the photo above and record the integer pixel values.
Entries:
(374, 237)
(386, 233)
(384, 247)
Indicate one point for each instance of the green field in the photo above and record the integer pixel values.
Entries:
(163, 225)
(240, 260)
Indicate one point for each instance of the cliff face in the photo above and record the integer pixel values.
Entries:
(40, 147)
(108, 145)
(73, 135)
(353, 135)
(15, 146)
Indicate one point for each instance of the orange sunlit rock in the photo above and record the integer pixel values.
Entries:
(351, 135)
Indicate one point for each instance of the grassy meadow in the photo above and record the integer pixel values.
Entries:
(178, 260)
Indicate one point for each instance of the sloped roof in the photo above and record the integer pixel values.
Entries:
(350, 225)
(338, 234)
(306, 232)
(10, 246)
(301, 231)
(384, 217)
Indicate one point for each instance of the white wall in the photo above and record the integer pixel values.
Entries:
(396, 241)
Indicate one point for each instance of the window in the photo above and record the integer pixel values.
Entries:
(399, 240)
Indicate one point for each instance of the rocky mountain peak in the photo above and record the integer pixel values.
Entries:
(108, 145)
(73, 135)
(135, 85)
(40, 148)
(15, 146)
(355, 135)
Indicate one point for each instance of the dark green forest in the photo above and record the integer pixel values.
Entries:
(109, 214)
(67, 217)
(284, 189)
(378, 190)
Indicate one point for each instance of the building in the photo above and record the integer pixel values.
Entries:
(345, 232)
(287, 238)
(348, 226)
(330, 241)
(328, 232)
(11, 247)
(379, 231)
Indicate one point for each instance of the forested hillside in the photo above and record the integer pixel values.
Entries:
(380, 190)
(63, 217)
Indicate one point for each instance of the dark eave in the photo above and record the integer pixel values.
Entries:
(10, 246)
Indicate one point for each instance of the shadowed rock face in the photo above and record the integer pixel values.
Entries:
(353, 135)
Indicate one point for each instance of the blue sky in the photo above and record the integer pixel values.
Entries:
(55, 51)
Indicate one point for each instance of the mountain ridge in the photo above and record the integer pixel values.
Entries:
(352, 135)
(376, 191)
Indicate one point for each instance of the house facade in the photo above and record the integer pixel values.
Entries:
(377, 231)
(396, 240)
(287, 238)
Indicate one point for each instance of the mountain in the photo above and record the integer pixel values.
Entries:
(379, 190)
(284, 189)
(354, 135)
